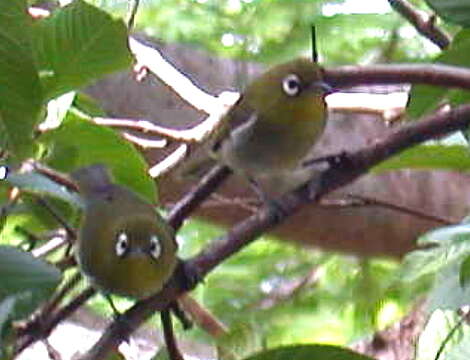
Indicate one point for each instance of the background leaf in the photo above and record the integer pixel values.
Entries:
(424, 98)
(456, 11)
(28, 279)
(20, 89)
(78, 44)
(433, 157)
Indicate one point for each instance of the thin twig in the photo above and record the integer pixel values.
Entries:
(169, 162)
(45, 328)
(425, 24)
(56, 242)
(58, 217)
(196, 196)
(134, 4)
(366, 200)
(54, 175)
(451, 333)
(355, 200)
(353, 166)
(59, 295)
(169, 335)
(153, 60)
(145, 143)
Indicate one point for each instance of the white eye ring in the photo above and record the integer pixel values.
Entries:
(122, 244)
(291, 85)
(155, 247)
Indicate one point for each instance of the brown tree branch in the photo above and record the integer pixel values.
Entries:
(40, 330)
(430, 74)
(351, 166)
(196, 196)
(425, 24)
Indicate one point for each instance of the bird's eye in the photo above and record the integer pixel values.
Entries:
(155, 248)
(291, 85)
(122, 244)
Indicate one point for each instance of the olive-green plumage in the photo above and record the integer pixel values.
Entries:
(274, 124)
(124, 246)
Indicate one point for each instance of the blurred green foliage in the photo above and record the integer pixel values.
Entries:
(270, 293)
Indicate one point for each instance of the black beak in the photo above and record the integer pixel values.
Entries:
(321, 87)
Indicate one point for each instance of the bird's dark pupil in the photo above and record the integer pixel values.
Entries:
(293, 84)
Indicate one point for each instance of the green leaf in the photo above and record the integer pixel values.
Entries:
(309, 352)
(447, 292)
(20, 89)
(424, 98)
(77, 44)
(7, 306)
(31, 280)
(79, 142)
(448, 244)
(446, 157)
(42, 185)
(455, 11)
(465, 272)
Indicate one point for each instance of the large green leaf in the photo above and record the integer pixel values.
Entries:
(78, 44)
(424, 98)
(455, 11)
(79, 142)
(309, 352)
(445, 157)
(20, 90)
(29, 279)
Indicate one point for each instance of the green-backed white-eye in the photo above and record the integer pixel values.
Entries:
(124, 246)
(271, 128)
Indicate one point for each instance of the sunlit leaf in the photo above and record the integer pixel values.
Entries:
(77, 44)
(443, 157)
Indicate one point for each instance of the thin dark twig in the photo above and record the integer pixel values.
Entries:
(196, 196)
(133, 13)
(45, 328)
(55, 176)
(451, 333)
(55, 214)
(59, 295)
(366, 200)
(169, 336)
(314, 44)
(425, 24)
